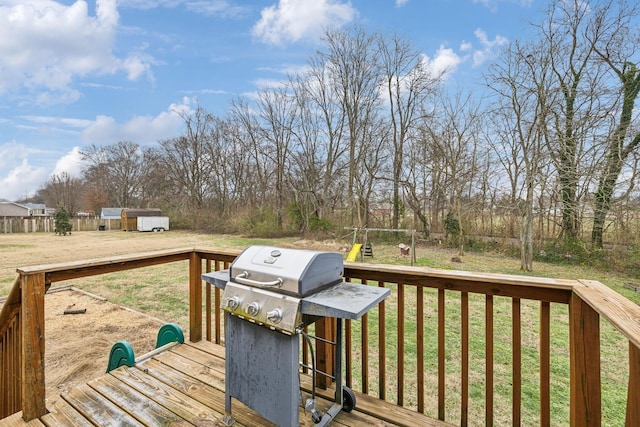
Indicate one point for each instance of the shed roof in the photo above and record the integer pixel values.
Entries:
(134, 213)
(35, 206)
(110, 213)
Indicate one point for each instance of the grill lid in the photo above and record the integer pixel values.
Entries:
(290, 271)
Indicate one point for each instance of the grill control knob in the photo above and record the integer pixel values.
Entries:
(274, 316)
(233, 303)
(253, 309)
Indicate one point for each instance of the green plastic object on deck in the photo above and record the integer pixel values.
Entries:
(169, 333)
(121, 355)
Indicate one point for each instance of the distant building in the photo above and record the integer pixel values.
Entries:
(109, 214)
(14, 210)
(39, 209)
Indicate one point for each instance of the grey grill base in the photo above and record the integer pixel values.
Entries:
(262, 371)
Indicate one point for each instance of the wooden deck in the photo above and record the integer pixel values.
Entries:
(183, 385)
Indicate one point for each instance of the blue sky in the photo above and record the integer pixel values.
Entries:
(75, 73)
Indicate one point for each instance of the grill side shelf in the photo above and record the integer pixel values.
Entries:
(344, 300)
(217, 278)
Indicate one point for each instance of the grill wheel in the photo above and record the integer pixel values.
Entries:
(348, 399)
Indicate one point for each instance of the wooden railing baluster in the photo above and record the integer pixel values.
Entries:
(382, 349)
(364, 339)
(464, 356)
(208, 311)
(516, 364)
(420, 346)
(400, 346)
(441, 355)
(545, 364)
(348, 346)
(489, 360)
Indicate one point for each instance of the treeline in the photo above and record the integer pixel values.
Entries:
(370, 133)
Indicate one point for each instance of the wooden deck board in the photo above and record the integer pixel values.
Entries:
(16, 420)
(136, 404)
(184, 386)
(95, 407)
(63, 414)
(172, 399)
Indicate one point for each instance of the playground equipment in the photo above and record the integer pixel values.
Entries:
(354, 252)
(366, 249)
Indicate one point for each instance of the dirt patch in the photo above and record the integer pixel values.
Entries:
(78, 345)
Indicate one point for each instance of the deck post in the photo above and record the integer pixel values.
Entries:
(584, 349)
(325, 330)
(633, 391)
(195, 297)
(33, 384)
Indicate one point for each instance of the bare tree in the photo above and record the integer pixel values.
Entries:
(115, 169)
(322, 140)
(454, 138)
(187, 160)
(407, 83)
(353, 69)
(63, 190)
(249, 137)
(278, 112)
(520, 83)
(155, 184)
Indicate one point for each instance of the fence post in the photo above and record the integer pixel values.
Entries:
(584, 343)
(33, 385)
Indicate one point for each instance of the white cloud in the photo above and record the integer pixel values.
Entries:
(270, 83)
(493, 4)
(443, 64)
(17, 176)
(140, 129)
(45, 45)
(488, 48)
(222, 8)
(71, 163)
(294, 20)
(400, 3)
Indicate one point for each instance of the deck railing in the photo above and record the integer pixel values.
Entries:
(418, 349)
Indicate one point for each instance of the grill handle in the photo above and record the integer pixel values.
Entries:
(244, 279)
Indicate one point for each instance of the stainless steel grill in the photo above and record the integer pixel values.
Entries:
(266, 284)
(270, 295)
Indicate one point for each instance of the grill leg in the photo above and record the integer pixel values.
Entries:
(336, 407)
(228, 418)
